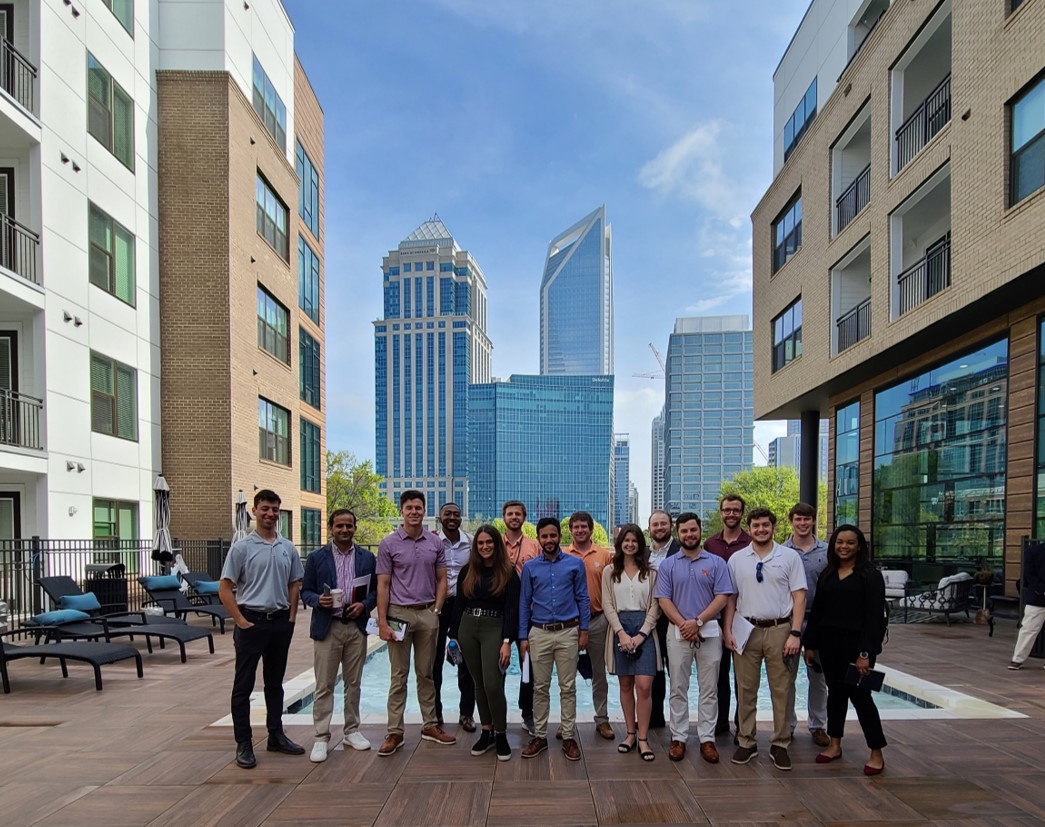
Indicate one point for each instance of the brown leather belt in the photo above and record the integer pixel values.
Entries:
(767, 624)
(417, 606)
(557, 627)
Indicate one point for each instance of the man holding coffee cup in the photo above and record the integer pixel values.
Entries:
(340, 609)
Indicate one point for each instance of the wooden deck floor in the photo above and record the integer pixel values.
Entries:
(145, 752)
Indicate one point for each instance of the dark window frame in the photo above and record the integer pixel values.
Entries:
(270, 338)
(798, 130)
(106, 105)
(310, 369)
(268, 104)
(308, 190)
(787, 332)
(1035, 144)
(127, 8)
(98, 256)
(267, 224)
(280, 451)
(113, 399)
(311, 457)
(787, 242)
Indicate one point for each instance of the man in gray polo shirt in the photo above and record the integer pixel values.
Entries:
(260, 584)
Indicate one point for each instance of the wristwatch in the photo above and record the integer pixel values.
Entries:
(699, 622)
(795, 633)
(436, 611)
(505, 641)
(864, 656)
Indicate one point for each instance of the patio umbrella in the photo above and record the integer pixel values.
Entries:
(162, 547)
(242, 521)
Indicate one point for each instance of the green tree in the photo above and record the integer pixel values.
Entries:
(528, 528)
(598, 536)
(773, 488)
(354, 485)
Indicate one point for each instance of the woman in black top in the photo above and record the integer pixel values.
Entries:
(484, 623)
(845, 627)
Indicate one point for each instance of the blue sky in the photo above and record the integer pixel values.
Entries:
(512, 120)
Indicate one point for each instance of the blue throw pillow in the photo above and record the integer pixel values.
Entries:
(81, 602)
(206, 587)
(59, 616)
(162, 582)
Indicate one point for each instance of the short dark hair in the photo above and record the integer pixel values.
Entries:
(687, 517)
(734, 498)
(661, 511)
(544, 522)
(411, 494)
(582, 517)
(444, 505)
(801, 510)
(760, 514)
(340, 512)
(516, 504)
(267, 495)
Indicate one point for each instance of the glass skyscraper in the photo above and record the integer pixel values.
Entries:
(708, 412)
(429, 347)
(545, 440)
(577, 300)
(621, 480)
(657, 466)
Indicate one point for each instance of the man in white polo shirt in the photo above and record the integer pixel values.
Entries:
(770, 583)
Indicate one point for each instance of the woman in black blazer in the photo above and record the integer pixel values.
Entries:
(845, 628)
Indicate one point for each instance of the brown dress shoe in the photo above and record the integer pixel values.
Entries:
(558, 734)
(534, 748)
(677, 751)
(708, 752)
(391, 743)
(571, 749)
(820, 738)
(605, 730)
(436, 735)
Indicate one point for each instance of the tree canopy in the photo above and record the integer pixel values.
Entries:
(354, 485)
(769, 487)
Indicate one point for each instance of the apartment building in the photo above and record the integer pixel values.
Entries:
(127, 231)
(898, 262)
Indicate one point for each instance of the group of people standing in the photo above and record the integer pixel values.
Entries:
(637, 611)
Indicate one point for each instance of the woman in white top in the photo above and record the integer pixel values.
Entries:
(632, 651)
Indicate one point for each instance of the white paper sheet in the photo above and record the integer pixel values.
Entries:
(398, 628)
(742, 630)
(709, 629)
(524, 669)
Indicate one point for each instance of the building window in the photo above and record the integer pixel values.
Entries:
(114, 398)
(1016, 4)
(286, 524)
(787, 232)
(123, 10)
(311, 478)
(273, 432)
(1039, 501)
(273, 326)
(407, 267)
(310, 371)
(111, 255)
(1028, 142)
(429, 266)
(800, 119)
(787, 335)
(272, 218)
(308, 280)
(115, 520)
(110, 113)
(847, 464)
(311, 527)
(308, 191)
(269, 106)
(939, 461)
(446, 267)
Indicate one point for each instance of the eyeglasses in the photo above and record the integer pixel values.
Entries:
(731, 510)
(758, 572)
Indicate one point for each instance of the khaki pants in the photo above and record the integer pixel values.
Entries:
(558, 648)
(422, 631)
(597, 652)
(344, 647)
(764, 645)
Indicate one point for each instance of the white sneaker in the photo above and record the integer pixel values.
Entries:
(319, 752)
(357, 741)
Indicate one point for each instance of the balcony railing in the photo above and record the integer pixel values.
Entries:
(866, 37)
(20, 420)
(17, 75)
(854, 198)
(927, 277)
(19, 248)
(854, 325)
(930, 117)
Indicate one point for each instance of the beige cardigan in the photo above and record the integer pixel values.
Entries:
(613, 627)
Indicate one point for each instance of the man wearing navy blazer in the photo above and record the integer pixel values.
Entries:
(339, 632)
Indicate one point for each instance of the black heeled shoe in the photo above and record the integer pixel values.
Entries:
(624, 746)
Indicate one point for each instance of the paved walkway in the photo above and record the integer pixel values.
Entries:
(146, 752)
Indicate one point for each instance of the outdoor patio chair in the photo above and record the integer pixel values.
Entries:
(951, 596)
(63, 586)
(165, 592)
(203, 587)
(96, 654)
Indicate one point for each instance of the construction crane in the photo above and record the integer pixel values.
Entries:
(660, 362)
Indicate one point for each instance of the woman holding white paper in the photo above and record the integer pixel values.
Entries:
(843, 637)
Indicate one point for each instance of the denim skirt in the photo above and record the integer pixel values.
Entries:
(646, 661)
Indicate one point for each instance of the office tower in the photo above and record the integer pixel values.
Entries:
(633, 503)
(429, 347)
(786, 451)
(621, 480)
(657, 462)
(708, 425)
(898, 287)
(577, 300)
(128, 297)
(545, 440)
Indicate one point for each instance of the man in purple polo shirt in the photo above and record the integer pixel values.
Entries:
(693, 587)
(411, 587)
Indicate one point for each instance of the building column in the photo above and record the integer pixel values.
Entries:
(809, 462)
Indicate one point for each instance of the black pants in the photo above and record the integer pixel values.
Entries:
(724, 684)
(835, 655)
(526, 695)
(656, 718)
(464, 680)
(267, 641)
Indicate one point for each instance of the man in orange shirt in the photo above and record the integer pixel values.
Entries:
(520, 549)
(595, 559)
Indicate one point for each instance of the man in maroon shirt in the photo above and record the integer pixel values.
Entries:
(730, 539)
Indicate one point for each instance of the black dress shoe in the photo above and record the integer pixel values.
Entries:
(279, 742)
(245, 755)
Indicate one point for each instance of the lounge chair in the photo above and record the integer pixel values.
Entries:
(166, 593)
(951, 596)
(96, 654)
(59, 586)
(203, 587)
